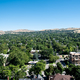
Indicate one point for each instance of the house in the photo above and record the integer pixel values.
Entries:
(32, 62)
(75, 58)
(60, 77)
(5, 58)
(34, 51)
(5, 55)
(24, 79)
(37, 77)
(61, 56)
(34, 77)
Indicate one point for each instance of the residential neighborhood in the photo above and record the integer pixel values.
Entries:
(39, 39)
(34, 56)
(56, 76)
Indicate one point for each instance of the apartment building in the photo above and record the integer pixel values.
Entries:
(75, 58)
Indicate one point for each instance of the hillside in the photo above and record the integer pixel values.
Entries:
(75, 30)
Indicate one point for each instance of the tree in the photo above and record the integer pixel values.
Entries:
(5, 72)
(1, 60)
(3, 48)
(42, 61)
(21, 73)
(69, 69)
(14, 70)
(49, 71)
(36, 69)
(73, 70)
(46, 52)
(18, 58)
(57, 70)
(59, 67)
(77, 72)
(41, 65)
(53, 58)
(35, 56)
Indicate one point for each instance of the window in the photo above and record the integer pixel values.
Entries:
(76, 57)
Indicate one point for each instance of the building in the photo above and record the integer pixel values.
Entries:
(38, 77)
(5, 55)
(75, 58)
(34, 51)
(5, 58)
(32, 62)
(24, 79)
(60, 77)
(34, 77)
(61, 56)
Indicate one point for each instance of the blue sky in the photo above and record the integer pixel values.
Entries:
(39, 14)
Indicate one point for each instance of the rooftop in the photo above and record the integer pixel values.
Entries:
(5, 55)
(34, 51)
(32, 62)
(60, 77)
(75, 53)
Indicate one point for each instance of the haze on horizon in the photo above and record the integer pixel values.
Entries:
(39, 14)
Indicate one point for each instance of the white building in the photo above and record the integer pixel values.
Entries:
(33, 51)
(5, 56)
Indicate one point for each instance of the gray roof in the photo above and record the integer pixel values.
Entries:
(36, 79)
(24, 79)
(39, 76)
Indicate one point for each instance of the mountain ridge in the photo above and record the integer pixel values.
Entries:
(77, 30)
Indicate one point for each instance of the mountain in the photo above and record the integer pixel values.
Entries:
(17, 31)
(76, 30)
(2, 32)
(62, 29)
(23, 30)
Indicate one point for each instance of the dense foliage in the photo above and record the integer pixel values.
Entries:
(58, 41)
(36, 69)
(73, 70)
(50, 42)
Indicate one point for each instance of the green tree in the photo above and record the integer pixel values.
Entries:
(5, 72)
(21, 73)
(36, 69)
(53, 58)
(1, 60)
(3, 48)
(59, 67)
(46, 52)
(14, 70)
(18, 58)
(35, 56)
(73, 70)
(49, 71)
(41, 65)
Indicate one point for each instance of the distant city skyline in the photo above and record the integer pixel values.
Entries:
(39, 14)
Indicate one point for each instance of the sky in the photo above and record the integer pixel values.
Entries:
(39, 14)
